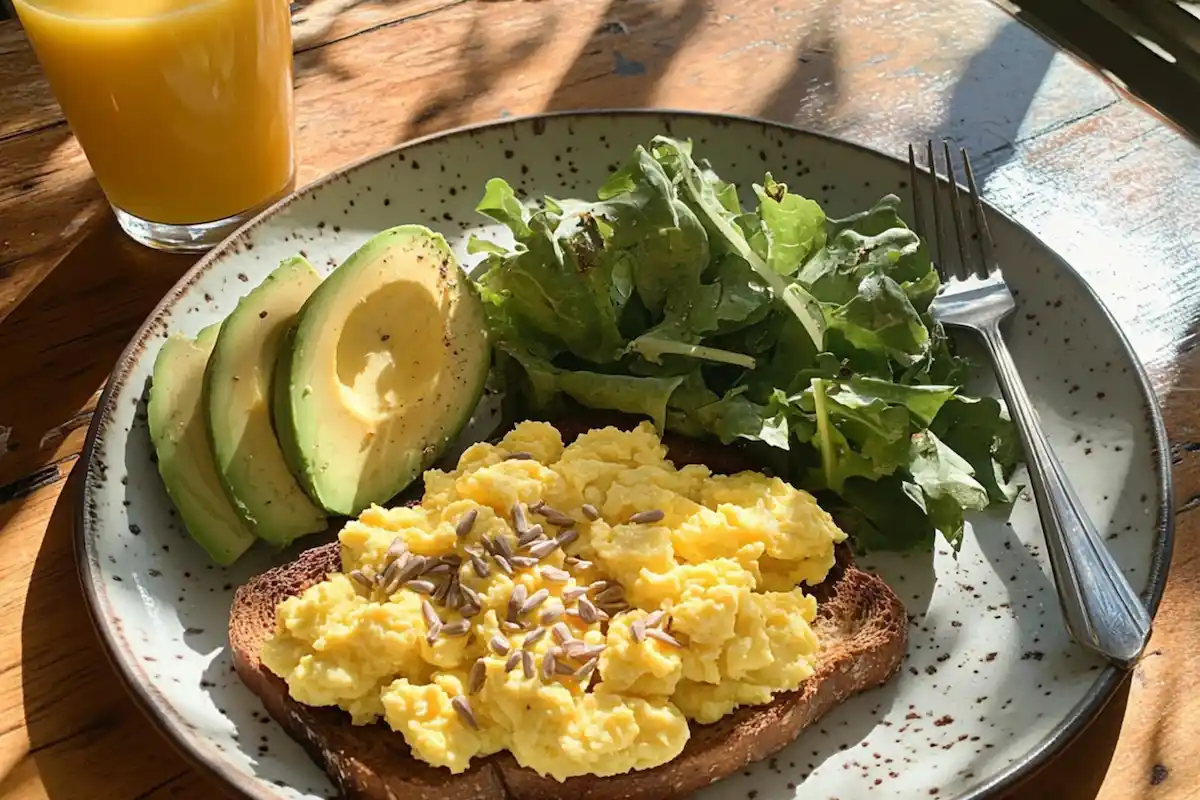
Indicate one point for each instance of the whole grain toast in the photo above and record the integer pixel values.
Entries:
(861, 625)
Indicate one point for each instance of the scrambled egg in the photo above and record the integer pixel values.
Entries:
(649, 596)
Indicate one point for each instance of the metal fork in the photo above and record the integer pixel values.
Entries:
(1102, 611)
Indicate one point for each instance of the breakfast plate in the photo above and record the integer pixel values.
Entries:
(990, 687)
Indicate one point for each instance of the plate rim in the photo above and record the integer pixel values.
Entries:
(192, 746)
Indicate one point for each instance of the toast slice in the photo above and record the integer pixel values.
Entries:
(861, 625)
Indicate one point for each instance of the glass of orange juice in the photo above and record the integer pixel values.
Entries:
(182, 107)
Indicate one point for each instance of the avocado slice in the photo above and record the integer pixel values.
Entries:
(388, 361)
(237, 387)
(185, 459)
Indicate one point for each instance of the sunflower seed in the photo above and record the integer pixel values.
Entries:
(533, 637)
(435, 630)
(555, 517)
(550, 613)
(438, 569)
(614, 607)
(360, 577)
(414, 567)
(520, 455)
(477, 677)
(599, 586)
(587, 611)
(574, 593)
(421, 586)
(574, 648)
(390, 587)
(590, 511)
(454, 593)
(488, 545)
(527, 663)
(465, 523)
(555, 575)
(647, 516)
(543, 549)
(549, 665)
(592, 651)
(470, 596)
(479, 565)
(533, 601)
(396, 549)
(610, 594)
(563, 668)
(663, 636)
(566, 537)
(391, 571)
(638, 629)
(463, 707)
(536, 505)
(573, 612)
(561, 632)
(585, 672)
(523, 562)
(503, 547)
(533, 533)
(513, 660)
(443, 589)
(430, 614)
(469, 609)
(519, 593)
(577, 563)
(602, 615)
(519, 520)
(499, 645)
(455, 629)
(453, 559)
(654, 617)
(503, 564)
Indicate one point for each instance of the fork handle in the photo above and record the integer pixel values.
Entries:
(1102, 611)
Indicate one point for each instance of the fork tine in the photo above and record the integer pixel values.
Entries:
(985, 235)
(960, 224)
(945, 271)
(915, 178)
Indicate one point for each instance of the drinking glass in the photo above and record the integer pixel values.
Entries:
(182, 107)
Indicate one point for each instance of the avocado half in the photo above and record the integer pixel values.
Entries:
(386, 364)
(185, 458)
(238, 398)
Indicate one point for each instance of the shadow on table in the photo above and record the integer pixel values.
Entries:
(993, 95)
(86, 736)
(73, 326)
(450, 105)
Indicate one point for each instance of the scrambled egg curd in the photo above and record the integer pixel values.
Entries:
(576, 606)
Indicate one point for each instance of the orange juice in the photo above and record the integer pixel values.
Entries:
(182, 107)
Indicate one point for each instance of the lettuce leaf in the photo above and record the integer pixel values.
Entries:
(755, 320)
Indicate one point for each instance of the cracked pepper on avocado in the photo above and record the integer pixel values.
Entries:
(477, 620)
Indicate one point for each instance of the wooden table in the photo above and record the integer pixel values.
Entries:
(1092, 172)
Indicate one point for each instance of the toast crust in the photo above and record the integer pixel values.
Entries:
(860, 623)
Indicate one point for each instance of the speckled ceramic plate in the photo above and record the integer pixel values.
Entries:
(991, 687)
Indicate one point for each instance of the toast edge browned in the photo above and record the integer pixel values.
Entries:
(861, 623)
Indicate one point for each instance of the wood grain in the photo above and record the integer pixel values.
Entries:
(1104, 182)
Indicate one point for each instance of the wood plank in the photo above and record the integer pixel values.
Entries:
(1056, 146)
(79, 720)
(520, 58)
(29, 105)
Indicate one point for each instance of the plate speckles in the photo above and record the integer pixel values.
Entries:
(989, 678)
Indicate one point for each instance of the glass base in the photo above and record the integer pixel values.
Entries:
(181, 238)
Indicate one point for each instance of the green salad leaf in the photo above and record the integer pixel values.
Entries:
(762, 322)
